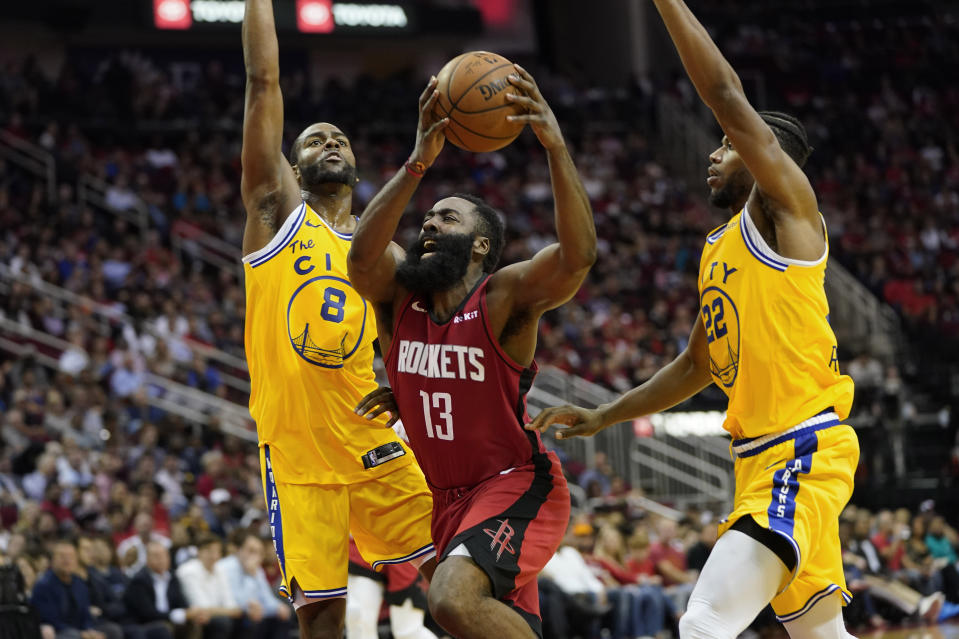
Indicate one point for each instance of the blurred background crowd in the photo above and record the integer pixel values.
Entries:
(114, 299)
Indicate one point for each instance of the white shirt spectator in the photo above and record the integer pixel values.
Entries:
(570, 573)
(204, 589)
(247, 587)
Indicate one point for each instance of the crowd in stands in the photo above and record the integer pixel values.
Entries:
(167, 502)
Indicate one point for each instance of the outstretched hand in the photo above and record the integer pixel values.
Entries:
(538, 114)
(378, 402)
(577, 421)
(429, 131)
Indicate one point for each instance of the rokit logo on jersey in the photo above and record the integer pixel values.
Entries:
(441, 361)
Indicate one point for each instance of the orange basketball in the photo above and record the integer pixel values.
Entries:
(472, 93)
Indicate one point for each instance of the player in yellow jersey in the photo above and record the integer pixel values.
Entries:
(327, 471)
(763, 336)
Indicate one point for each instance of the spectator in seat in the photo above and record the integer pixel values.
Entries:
(62, 600)
(573, 598)
(207, 590)
(669, 556)
(132, 550)
(155, 596)
(266, 616)
(107, 600)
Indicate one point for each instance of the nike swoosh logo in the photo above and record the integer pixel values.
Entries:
(417, 307)
(778, 461)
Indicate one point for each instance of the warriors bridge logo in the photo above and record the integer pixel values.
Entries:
(721, 321)
(325, 320)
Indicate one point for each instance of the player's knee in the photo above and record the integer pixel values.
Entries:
(321, 622)
(701, 621)
(449, 609)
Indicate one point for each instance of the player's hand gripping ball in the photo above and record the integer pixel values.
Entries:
(472, 94)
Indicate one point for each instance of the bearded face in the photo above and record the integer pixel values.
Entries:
(435, 263)
(734, 189)
(313, 175)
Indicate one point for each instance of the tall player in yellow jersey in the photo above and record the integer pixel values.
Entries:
(309, 343)
(763, 336)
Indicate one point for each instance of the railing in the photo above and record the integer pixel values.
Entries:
(32, 158)
(861, 321)
(692, 476)
(164, 394)
(106, 316)
(686, 470)
(207, 248)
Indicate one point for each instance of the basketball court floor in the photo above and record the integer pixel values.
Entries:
(950, 631)
(937, 632)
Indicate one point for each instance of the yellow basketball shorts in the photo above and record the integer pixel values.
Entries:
(796, 483)
(389, 518)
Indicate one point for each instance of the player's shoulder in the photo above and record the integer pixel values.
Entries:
(714, 236)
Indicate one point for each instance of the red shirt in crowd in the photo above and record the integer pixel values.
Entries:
(659, 552)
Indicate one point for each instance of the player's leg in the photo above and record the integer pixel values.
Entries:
(823, 621)
(310, 529)
(740, 577)
(324, 619)
(461, 600)
(510, 530)
(428, 567)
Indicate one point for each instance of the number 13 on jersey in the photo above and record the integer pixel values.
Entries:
(443, 402)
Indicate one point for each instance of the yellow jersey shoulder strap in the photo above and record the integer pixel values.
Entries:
(283, 236)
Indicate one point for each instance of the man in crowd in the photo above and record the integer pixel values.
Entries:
(62, 600)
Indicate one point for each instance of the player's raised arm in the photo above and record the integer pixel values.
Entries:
(268, 185)
(556, 272)
(777, 175)
(373, 255)
(677, 381)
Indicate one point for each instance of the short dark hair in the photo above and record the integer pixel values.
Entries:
(790, 133)
(489, 224)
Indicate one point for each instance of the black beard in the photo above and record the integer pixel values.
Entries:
(736, 189)
(317, 174)
(442, 270)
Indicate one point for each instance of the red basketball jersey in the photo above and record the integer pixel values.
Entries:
(462, 399)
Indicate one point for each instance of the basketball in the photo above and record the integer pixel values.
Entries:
(472, 93)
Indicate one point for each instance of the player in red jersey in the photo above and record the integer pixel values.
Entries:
(459, 342)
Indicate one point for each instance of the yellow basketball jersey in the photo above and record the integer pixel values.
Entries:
(771, 348)
(309, 344)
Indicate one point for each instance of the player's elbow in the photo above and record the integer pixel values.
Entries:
(579, 260)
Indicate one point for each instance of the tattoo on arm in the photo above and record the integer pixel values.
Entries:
(267, 209)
